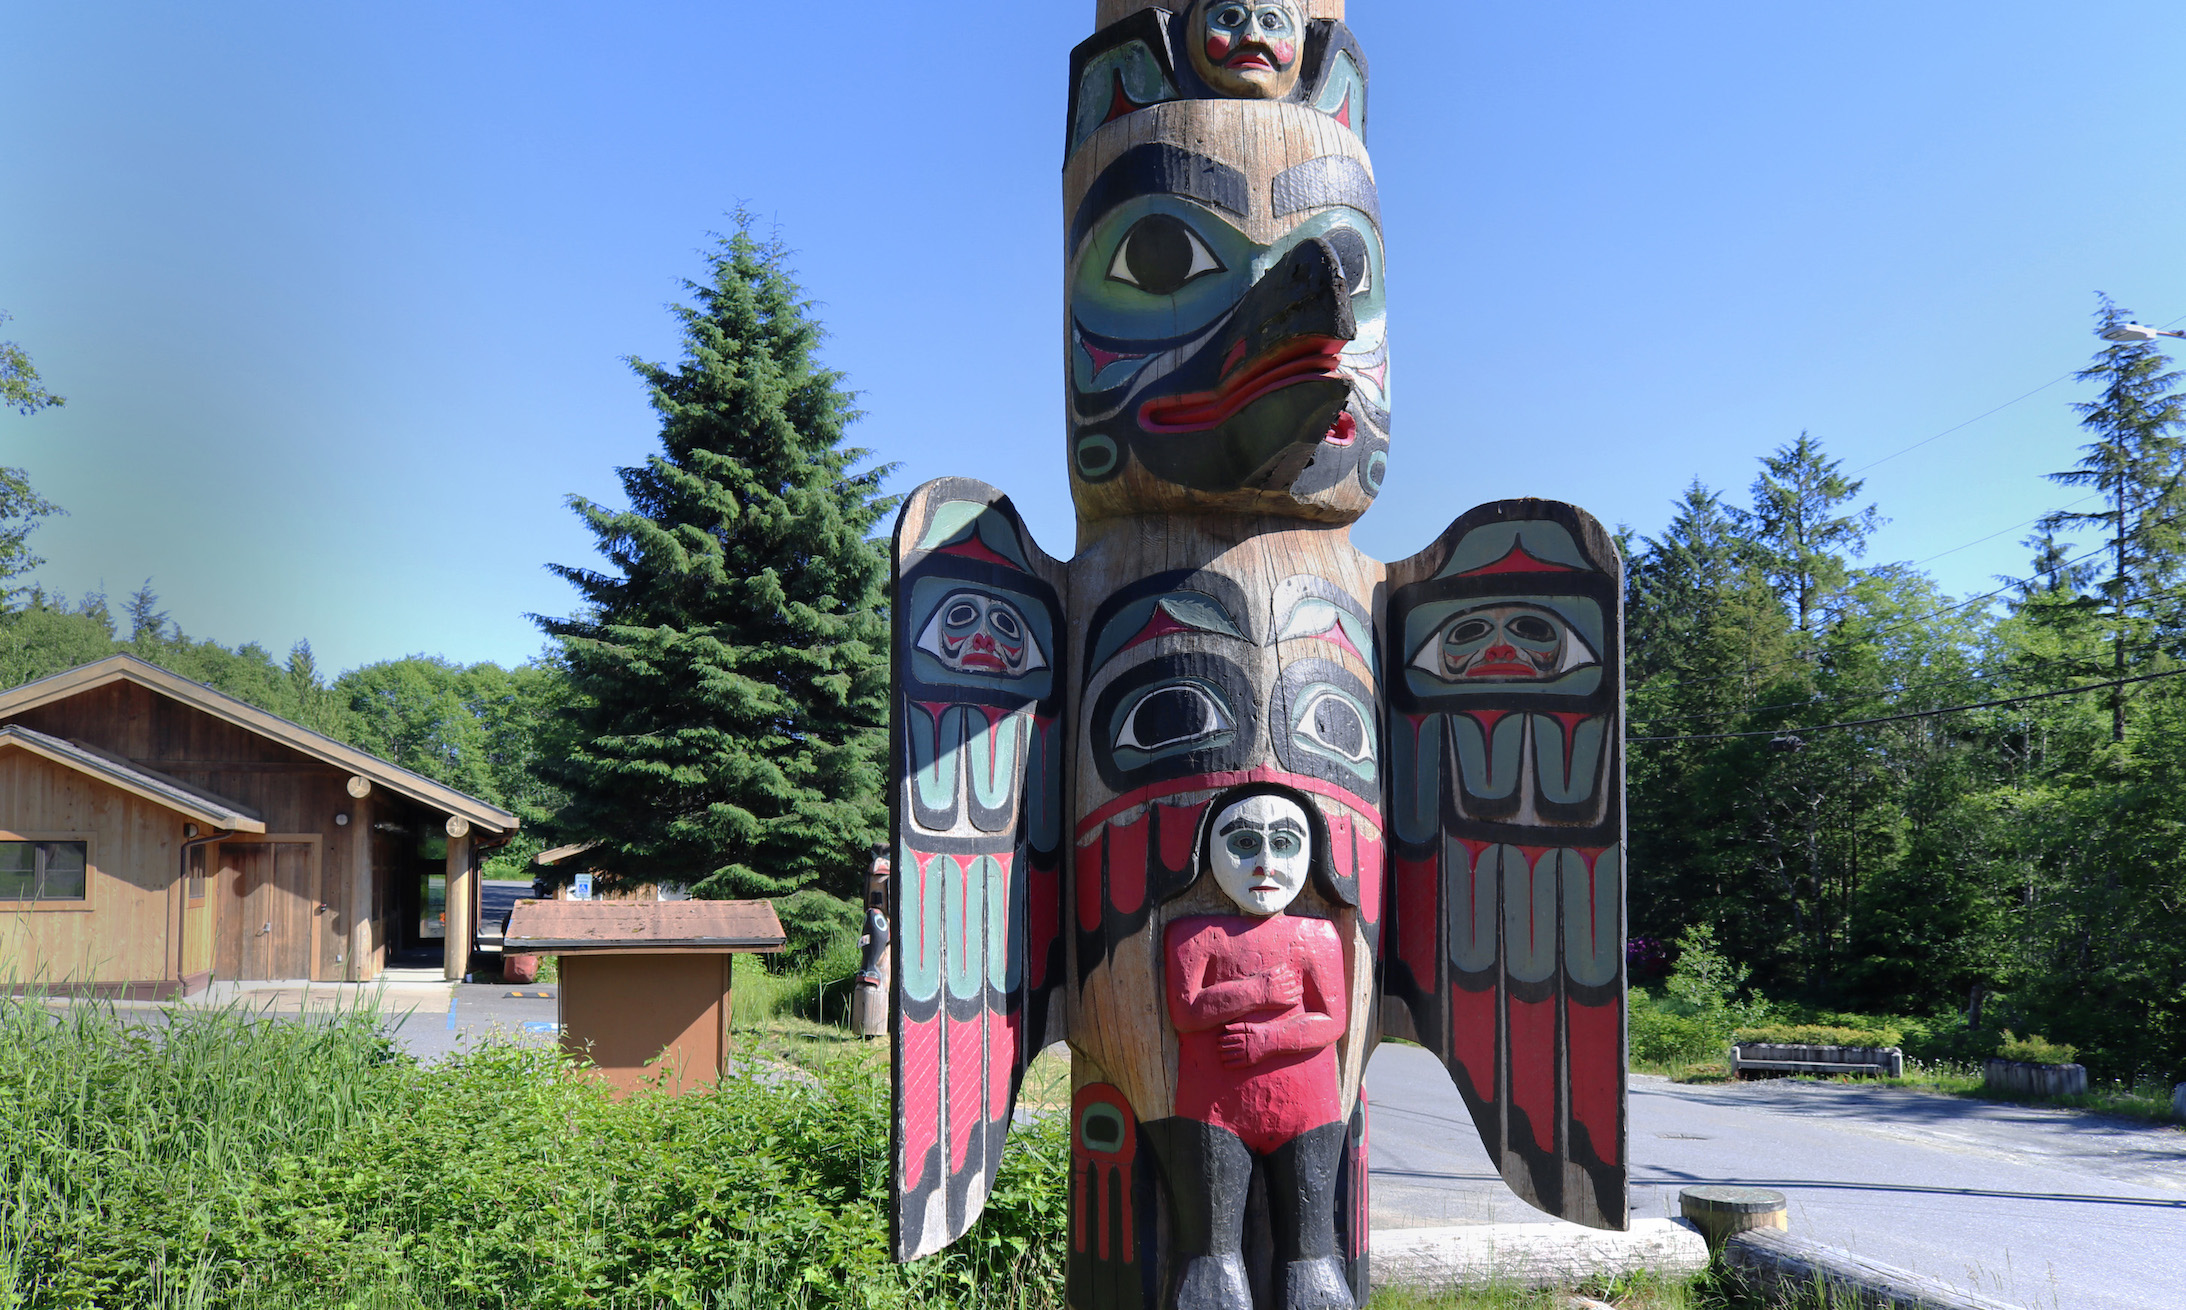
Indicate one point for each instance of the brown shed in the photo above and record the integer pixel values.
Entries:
(156, 834)
(646, 984)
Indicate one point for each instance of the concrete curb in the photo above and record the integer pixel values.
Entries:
(1532, 1255)
(1779, 1260)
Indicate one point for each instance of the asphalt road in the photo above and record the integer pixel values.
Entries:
(2050, 1209)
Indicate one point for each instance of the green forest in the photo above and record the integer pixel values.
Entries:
(1874, 796)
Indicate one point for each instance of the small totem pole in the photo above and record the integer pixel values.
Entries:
(869, 993)
(1221, 801)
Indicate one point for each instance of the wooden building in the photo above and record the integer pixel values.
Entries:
(156, 834)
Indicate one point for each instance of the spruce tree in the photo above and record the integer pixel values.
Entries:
(2137, 463)
(729, 666)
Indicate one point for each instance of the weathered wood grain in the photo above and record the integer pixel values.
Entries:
(1778, 1260)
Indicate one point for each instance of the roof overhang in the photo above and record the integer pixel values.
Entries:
(189, 802)
(316, 745)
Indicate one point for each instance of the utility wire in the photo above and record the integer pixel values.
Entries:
(1918, 619)
(1789, 731)
(1835, 697)
(1978, 417)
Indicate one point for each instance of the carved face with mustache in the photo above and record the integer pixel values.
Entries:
(1247, 48)
(1228, 342)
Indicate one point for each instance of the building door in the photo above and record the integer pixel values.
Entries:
(267, 894)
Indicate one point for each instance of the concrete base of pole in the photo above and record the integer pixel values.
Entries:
(1773, 1261)
(1532, 1255)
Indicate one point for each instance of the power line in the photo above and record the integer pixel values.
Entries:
(1918, 619)
(1978, 417)
(1918, 714)
(1835, 697)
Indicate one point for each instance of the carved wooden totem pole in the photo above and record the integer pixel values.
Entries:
(1221, 801)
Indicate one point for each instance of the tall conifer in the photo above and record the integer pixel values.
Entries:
(730, 662)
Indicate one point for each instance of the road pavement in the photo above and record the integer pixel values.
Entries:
(2050, 1209)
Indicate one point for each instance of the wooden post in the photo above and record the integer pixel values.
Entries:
(1720, 1211)
(457, 959)
(360, 886)
(1221, 801)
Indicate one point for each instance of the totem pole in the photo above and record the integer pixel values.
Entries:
(1221, 801)
(870, 989)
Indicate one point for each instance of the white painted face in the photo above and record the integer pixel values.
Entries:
(1261, 853)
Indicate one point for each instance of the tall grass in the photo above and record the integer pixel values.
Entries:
(231, 1160)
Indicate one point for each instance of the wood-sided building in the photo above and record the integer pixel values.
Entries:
(156, 834)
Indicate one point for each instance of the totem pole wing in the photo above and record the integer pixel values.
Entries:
(977, 728)
(1505, 957)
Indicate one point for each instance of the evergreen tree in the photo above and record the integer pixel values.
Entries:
(1795, 521)
(729, 667)
(147, 621)
(2136, 464)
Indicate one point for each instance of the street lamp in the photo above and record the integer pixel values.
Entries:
(2134, 333)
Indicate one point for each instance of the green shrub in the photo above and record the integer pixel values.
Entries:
(1664, 1034)
(2035, 1049)
(235, 1162)
(1814, 1034)
(815, 923)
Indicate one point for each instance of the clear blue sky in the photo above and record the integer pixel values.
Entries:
(338, 292)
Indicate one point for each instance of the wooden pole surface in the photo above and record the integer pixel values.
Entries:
(457, 958)
(360, 888)
(1113, 11)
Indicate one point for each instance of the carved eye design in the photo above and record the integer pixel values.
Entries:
(1274, 22)
(1334, 724)
(1504, 643)
(1229, 16)
(1173, 716)
(1160, 255)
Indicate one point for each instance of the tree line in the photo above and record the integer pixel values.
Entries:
(1882, 797)
(1875, 795)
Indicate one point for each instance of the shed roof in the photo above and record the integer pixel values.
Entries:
(295, 736)
(190, 802)
(572, 927)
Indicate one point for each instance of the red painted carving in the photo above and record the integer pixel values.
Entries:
(1519, 560)
(1472, 1040)
(921, 1096)
(1533, 1066)
(973, 548)
(1597, 1063)
(1259, 1005)
(1086, 877)
(1127, 865)
(1043, 920)
(967, 1087)
(1419, 892)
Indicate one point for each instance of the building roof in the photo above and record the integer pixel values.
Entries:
(190, 802)
(574, 927)
(220, 705)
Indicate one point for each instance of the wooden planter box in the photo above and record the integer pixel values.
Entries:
(1769, 1059)
(2022, 1079)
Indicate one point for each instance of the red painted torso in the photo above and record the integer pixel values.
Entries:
(1261, 1066)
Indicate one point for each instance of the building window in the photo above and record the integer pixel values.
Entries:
(197, 875)
(43, 870)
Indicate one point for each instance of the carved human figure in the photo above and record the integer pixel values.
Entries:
(1258, 1000)
(1247, 48)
